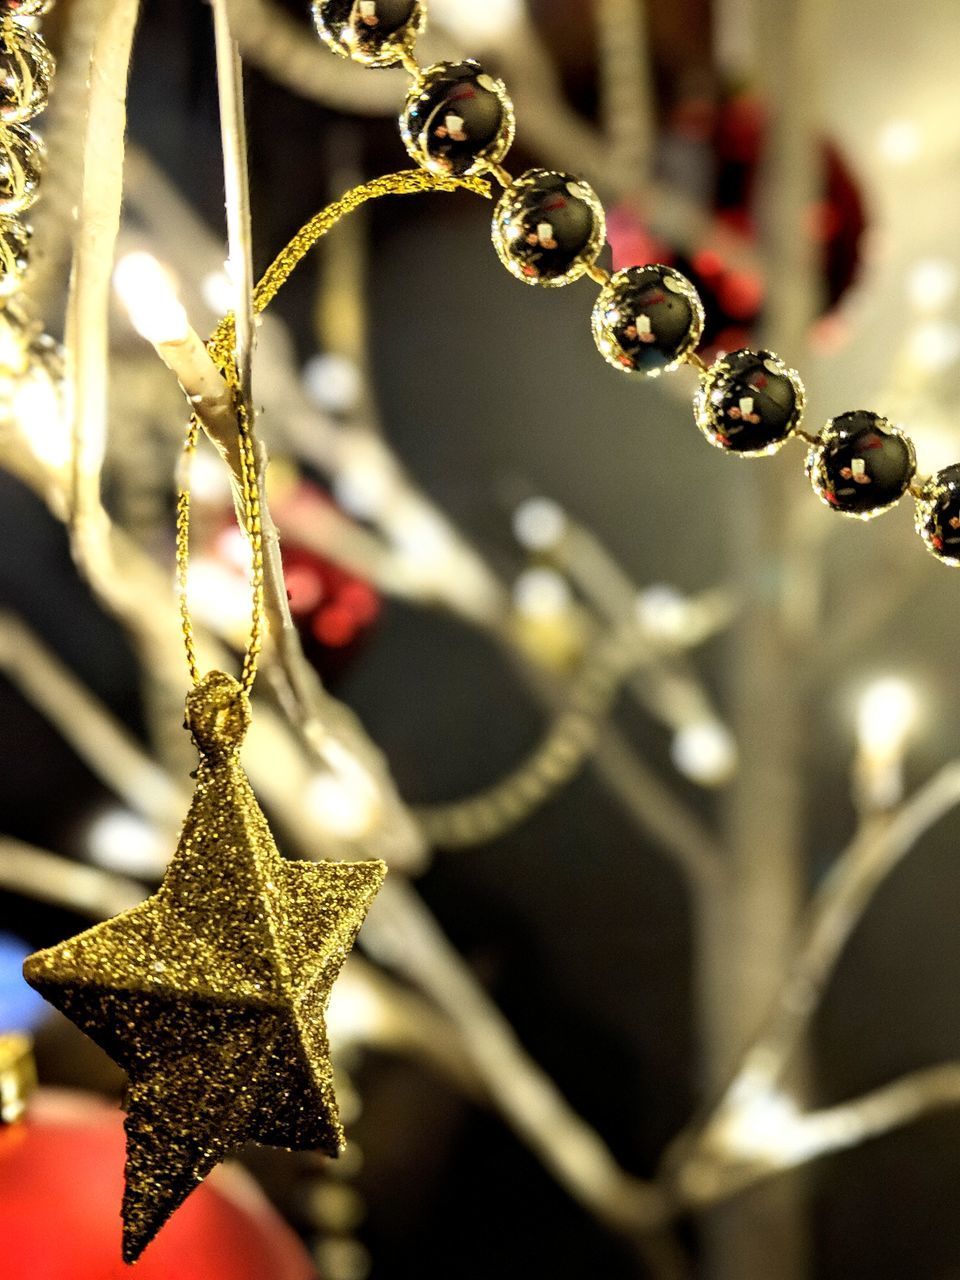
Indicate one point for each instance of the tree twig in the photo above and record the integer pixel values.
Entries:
(86, 336)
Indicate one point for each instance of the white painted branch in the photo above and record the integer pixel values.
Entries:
(86, 337)
(722, 1170)
(35, 873)
(626, 90)
(838, 907)
(102, 742)
(54, 219)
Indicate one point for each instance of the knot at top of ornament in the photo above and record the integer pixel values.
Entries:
(218, 714)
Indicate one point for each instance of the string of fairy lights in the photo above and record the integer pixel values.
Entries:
(549, 229)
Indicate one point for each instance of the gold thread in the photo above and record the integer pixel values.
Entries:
(502, 175)
(183, 546)
(222, 347)
(410, 65)
(600, 274)
(696, 359)
(805, 436)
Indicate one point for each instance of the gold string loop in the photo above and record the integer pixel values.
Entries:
(222, 348)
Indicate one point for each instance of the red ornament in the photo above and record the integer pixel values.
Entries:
(735, 131)
(61, 1179)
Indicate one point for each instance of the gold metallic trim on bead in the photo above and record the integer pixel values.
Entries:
(600, 274)
(411, 65)
(695, 359)
(807, 437)
(502, 175)
(27, 72)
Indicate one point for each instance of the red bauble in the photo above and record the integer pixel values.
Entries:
(733, 294)
(61, 1181)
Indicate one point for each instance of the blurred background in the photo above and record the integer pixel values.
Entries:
(663, 753)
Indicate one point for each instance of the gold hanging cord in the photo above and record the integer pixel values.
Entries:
(222, 348)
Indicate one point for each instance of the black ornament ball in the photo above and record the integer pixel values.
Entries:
(457, 119)
(861, 465)
(548, 228)
(647, 319)
(749, 403)
(938, 515)
(375, 32)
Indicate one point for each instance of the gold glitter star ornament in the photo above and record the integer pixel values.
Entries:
(211, 994)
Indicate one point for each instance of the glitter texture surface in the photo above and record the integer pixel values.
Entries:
(212, 993)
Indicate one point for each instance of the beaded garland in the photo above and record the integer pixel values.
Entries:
(549, 229)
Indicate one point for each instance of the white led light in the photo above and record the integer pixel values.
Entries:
(218, 594)
(355, 1011)
(705, 752)
(209, 477)
(218, 292)
(764, 1125)
(121, 841)
(541, 593)
(332, 382)
(663, 611)
(39, 414)
(886, 715)
(539, 523)
(476, 22)
(934, 345)
(345, 804)
(899, 142)
(931, 284)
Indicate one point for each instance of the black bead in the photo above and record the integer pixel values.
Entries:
(647, 319)
(749, 402)
(938, 515)
(375, 32)
(457, 118)
(548, 228)
(861, 465)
